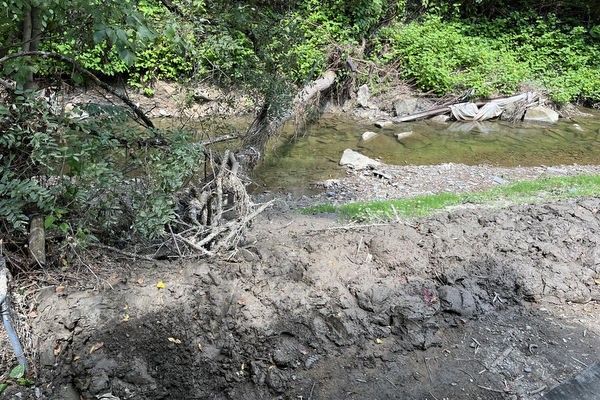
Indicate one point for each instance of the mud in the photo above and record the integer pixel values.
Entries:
(474, 304)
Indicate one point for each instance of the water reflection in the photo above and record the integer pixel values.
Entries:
(314, 157)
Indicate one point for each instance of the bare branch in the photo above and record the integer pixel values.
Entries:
(80, 69)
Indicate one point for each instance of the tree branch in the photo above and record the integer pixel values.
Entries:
(80, 69)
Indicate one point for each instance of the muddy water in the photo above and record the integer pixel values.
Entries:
(298, 163)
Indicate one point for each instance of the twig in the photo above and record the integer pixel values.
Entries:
(432, 395)
(392, 383)
(428, 370)
(79, 68)
(538, 390)
(470, 376)
(311, 391)
(580, 362)
(122, 252)
(505, 354)
(491, 389)
(174, 240)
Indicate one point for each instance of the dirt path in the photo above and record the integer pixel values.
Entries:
(476, 304)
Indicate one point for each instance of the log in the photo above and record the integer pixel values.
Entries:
(264, 127)
(37, 240)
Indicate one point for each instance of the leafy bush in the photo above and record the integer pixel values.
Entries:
(493, 57)
(52, 161)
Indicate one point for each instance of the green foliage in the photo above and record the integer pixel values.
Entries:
(495, 56)
(70, 170)
(519, 192)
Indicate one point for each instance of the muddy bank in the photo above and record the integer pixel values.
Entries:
(474, 304)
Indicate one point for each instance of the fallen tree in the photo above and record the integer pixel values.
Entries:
(266, 125)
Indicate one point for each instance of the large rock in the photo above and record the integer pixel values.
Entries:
(541, 115)
(405, 106)
(363, 96)
(358, 161)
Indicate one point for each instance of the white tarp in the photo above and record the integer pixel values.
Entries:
(493, 109)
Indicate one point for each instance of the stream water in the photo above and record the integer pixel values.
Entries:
(298, 163)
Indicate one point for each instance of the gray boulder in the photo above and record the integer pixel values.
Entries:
(405, 106)
(363, 96)
(358, 161)
(541, 115)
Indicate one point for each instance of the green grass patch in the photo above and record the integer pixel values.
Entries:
(519, 192)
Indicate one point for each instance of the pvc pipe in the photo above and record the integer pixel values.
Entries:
(5, 311)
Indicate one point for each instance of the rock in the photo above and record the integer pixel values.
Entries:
(457, 301)
(382, 175)
(363, 96)
(357, 160)
(382, 124)
(368, 135)
(440, 119)
(513, 112)
(403, 135)
(405, 106)
(498, 181)
(541, 115)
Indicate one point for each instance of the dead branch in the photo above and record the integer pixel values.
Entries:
(80, 69)
(216, 214)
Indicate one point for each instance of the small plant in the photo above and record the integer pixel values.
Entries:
(148, 92)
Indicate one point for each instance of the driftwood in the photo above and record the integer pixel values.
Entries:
(215, 215)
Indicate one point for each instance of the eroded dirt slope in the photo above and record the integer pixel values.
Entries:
(475, 304)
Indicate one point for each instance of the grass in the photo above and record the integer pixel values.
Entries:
(519, 192)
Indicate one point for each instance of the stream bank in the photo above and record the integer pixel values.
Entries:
(475, 304)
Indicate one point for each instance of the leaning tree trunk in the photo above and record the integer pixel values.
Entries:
(266, 126)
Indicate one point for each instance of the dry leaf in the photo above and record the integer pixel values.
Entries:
(340, 314)
(160, 285)
(304, 352)
(597, 281)
(125, 318)
(378, 341)
(57, 351)
(33, 314)
(241, 302)
(199, 347)
(196, 316)
(96, 347)
(271, 366)
(59, 289)
(140, 281)
(243, 366)
(126, 307)
(173, 340)
(76, 358)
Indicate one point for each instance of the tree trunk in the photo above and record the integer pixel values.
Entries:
(265, 126)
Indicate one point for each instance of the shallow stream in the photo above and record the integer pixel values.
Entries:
(296, 164)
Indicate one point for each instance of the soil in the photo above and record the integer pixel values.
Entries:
(473, 304)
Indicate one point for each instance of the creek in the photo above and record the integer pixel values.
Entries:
(298, 163)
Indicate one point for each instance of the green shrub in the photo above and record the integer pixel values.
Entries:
(51, 162)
